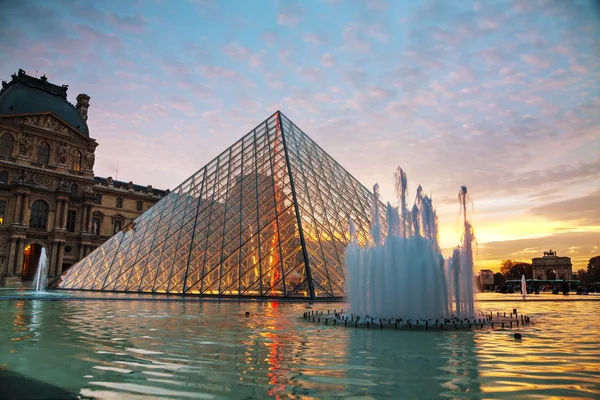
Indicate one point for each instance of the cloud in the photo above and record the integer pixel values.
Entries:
(270, 38)
(580, 246)
(536, 61)
(314, 39)
(135, 23)
(290, 14)
(327, 60)
(357, 36)
(242, 53)
(582, 211)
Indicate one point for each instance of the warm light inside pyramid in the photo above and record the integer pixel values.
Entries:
(267, 217)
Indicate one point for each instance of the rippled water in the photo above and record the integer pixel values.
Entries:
(206, 350)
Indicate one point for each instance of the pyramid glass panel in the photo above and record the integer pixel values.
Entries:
(268, 217)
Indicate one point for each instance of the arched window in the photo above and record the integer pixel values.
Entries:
(39, 215)
(138, 205)
(7, 144)
(119, 202)
(44, 153)
(75, 161)
(74, 189)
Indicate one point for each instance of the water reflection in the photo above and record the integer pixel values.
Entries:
(211, 350)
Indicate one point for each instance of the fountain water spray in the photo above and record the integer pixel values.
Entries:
(403, 274)
(41, 276)
(523, 286)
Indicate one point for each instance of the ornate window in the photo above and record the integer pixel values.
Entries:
(75, 159)
(7, 144)
(39, 215)
(119, 202)
(98, 199)
(3, 176)
(71, 220)
(138, 205)
(74, 189)
(44, 153)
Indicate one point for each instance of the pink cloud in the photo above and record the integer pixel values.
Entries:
(314, 39)
(323, 97)
(327, 60)
(270, 38)
(536, 61)
(242, 53)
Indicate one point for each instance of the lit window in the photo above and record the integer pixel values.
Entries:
(7, 144)
(139, 205)
(2, 211)
(119, 202)
(39, 215)
(75, 161)
(44, 153)
(71, 219)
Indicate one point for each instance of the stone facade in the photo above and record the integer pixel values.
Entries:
(552, 267)
(49, 196)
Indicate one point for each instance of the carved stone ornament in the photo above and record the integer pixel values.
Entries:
(109, 180)
(25, 177)
(43, 180)
(89, 191)
(24, 145)
(47, 122)
(90, 158)
(130, 185)
(63, 153)
(65, 184)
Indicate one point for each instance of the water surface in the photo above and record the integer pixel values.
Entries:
(210, 350)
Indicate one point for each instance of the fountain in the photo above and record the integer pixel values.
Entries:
(41, 276)
(404, 275)
(523, 287)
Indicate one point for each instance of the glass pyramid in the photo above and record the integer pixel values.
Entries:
(267, 217)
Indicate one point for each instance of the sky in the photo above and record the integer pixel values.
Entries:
(500, 96)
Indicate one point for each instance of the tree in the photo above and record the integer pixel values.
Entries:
(506, 266)
(519, 269)
(593, 269)
(499, 279)
(515, 269)
(582, 275)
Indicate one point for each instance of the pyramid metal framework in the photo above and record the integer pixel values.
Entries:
(268, 217)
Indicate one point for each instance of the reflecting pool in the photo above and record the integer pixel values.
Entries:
(211, 350)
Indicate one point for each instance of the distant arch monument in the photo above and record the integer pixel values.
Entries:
(552, 267)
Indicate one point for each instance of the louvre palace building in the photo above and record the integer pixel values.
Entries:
(49, 196)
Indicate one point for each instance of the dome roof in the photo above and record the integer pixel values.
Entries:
(28, 95)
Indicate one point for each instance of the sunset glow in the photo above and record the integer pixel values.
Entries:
(499, 96)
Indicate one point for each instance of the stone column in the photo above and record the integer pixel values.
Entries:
(25, 209)
(20, 255)
(53, 251)
(64, 215)
(84, 218)
(89, 218)
(17, 212)
(61, 248)
(57, 215)
(88, 250)
(12, 250)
